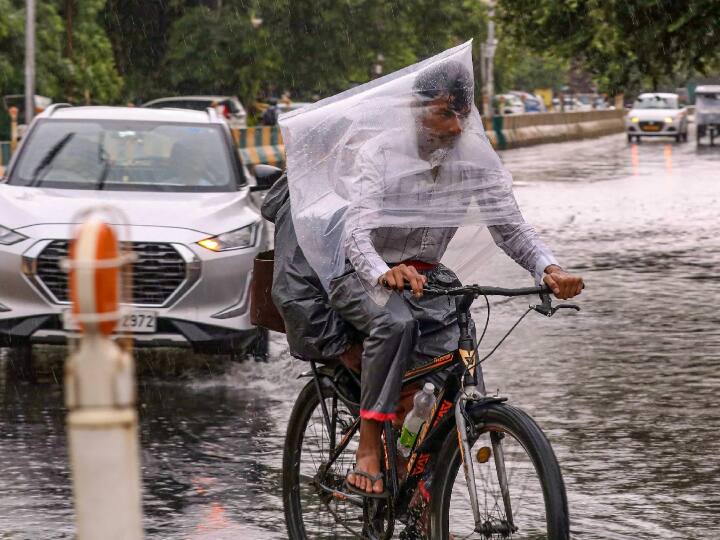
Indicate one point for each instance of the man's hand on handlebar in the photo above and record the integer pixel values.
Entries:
(396, 277)
(563, 284)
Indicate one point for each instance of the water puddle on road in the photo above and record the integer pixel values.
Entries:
(626, 389)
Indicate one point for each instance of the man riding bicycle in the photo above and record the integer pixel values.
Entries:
(401, 171)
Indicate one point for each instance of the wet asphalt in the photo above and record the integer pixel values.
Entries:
(627, 389)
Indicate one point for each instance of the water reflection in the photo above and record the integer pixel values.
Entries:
(667, 152)
(635, 159)
(627, 389)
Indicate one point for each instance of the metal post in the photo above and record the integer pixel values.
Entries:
(29, 61)
(489, 59)
(100, 395)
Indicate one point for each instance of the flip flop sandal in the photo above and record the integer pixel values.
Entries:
(357, 491)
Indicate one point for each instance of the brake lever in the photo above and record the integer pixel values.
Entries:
(567, 306)
(546, 308)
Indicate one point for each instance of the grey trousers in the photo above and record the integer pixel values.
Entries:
(405, 333)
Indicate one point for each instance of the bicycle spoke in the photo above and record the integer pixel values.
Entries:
(324, 514)
(500, 470)
(523, 488)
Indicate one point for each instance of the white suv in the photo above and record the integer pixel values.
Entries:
(193, 226)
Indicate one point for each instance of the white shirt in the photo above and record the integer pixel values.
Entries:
(401, 188)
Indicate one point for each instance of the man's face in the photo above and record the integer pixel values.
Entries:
(442, 123)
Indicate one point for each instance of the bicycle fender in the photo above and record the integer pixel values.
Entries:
(434, 441)
(322, 370)
(325, 380)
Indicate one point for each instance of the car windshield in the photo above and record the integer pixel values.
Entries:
(656, 102)
(125, 155)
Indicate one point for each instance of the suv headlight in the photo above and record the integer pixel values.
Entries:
(238, 239)
(669, 119)
(8, 236)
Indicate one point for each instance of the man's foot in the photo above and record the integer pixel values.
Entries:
(367, 476)
(367, 459)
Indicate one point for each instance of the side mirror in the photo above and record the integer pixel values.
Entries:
(266, 176)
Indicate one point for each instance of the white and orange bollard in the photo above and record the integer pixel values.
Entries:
(100, 394)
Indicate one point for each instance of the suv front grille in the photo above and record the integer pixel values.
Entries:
(157, 272)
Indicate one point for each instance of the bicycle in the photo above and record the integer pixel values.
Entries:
(523, 493)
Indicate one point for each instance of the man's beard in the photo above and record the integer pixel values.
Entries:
(433, 148)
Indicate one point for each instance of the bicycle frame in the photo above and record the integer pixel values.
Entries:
(463, 384)
(463, 387)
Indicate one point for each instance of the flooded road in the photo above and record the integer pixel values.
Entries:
(627, 390)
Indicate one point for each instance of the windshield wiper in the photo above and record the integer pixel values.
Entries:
(48, 158)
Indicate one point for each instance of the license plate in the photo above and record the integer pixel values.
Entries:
(651, 127)
(131, 322)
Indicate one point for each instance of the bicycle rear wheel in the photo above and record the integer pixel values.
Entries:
(311, 509)
(538, 503)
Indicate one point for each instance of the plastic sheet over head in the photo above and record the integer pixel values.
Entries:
(406, 151)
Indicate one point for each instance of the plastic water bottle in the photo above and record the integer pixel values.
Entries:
(422, 406)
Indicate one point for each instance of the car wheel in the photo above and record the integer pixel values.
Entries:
(678, 137)
(629, 137)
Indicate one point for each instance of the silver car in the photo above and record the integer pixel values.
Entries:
(657, 115)
(229, 107)
(193, 224)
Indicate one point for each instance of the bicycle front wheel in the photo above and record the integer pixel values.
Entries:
(534, 505)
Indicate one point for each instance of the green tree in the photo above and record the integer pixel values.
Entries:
(311, 47)
(139, 31)
(88, 68)
(517, 68)
(10, 18)
(327, 46)
(218, 51)
(623, 42)
(83, 71)
(12, 48)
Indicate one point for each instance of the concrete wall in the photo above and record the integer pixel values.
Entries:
(540, 128)
(265, 145)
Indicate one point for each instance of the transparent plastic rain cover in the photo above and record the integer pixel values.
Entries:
(403, 152)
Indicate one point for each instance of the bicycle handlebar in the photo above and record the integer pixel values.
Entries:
(478, 290)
